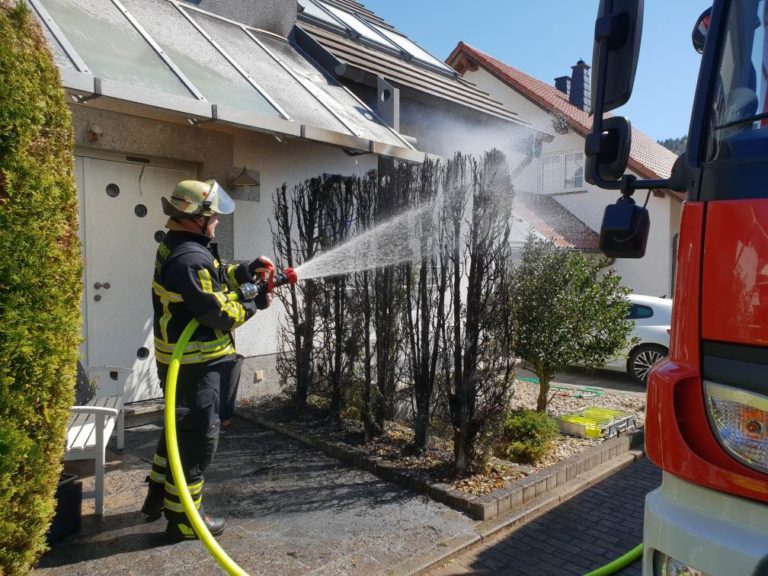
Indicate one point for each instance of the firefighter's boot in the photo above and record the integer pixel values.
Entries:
(153, 503)
(179, 530)
(179, 526)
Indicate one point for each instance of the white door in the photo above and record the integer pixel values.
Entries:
(123, 222)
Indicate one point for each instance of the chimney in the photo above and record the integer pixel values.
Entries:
(563, 84)
(277, 16)
(581, 87)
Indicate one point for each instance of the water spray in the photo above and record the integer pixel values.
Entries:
(249, 291)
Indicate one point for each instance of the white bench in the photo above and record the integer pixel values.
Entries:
(90, 426)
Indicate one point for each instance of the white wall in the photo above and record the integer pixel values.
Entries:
(648, 275)
(221, 153)
(292, 163)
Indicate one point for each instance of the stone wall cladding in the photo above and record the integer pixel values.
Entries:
(508, 499)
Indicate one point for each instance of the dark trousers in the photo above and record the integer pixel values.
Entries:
(197, 427)
(229, 390)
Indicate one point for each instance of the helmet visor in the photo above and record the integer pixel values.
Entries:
(218, 200)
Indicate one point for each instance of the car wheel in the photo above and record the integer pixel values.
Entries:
(642, 359)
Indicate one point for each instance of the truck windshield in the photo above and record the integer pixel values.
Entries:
(738, 123)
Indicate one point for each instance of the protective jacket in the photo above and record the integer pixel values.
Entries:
(191, 282)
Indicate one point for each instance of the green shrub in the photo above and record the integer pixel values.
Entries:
(527, 436)
(40, 286)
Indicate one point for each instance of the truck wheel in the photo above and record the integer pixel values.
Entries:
(642, 359)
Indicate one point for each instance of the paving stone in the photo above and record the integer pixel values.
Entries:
(290, 511)
(579, 535)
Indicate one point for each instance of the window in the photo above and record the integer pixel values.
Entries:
(562, 173)
(574, 170)
(638, 311)
(371, 33)
(413, 49)
(738, 111)
(314, 11)
(551, 167)
(359, 27)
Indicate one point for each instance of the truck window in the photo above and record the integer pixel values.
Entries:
(738, 123)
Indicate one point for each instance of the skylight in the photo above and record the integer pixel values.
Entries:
(313, 10)
(359, 26)
(380, 36)
(412, 48)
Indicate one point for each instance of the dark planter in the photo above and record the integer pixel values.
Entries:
(69, 498)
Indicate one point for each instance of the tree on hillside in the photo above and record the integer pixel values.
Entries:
(40, 287)
(566, 311)
(676, 145)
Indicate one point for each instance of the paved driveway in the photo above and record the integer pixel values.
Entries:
(291, 511)
(582, 534)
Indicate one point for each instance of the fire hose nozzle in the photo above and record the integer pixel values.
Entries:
(287, 276)
(291, 275)
(249, 291)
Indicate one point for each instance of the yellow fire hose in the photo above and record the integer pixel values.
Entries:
(621, 562)
(174, 460)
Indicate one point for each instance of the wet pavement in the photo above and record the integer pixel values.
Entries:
(294, 511)
(578, 536)
(290, 511)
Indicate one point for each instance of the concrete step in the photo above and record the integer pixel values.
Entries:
(143, 413)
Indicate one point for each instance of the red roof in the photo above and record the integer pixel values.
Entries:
(648, 158)
(552, 220)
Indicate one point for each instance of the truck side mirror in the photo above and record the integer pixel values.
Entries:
(618, 30)
(700, 31)
(624, 231)
(612, 149)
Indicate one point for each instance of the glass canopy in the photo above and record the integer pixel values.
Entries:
(207, 68)
(189, 59)
(110, 46)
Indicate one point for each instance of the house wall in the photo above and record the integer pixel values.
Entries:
(289, 162)
(443, 129)
(219, 154)
(651, 274)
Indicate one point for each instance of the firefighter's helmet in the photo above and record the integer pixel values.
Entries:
(192, 198)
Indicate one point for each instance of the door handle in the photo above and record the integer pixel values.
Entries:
(105, 285)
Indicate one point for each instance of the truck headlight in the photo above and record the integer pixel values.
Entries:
(664, 565)
(740, 420)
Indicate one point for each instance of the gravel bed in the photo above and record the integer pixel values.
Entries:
(567, 399)
(435, 461)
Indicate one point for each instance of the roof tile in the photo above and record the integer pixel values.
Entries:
(555, 222)
(648, 158)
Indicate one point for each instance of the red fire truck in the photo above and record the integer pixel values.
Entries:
(707, 412)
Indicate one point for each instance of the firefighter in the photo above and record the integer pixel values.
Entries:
(190, 281)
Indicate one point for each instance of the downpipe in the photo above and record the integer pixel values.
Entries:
(288, 276)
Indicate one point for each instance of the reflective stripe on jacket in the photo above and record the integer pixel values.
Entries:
(191, 282)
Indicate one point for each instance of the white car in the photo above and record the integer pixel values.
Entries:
(653, 317)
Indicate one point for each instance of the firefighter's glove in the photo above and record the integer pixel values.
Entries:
(263, 300)
(261, 268)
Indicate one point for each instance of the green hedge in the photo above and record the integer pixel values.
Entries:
(527, 436)
(40, 285)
